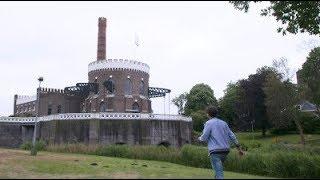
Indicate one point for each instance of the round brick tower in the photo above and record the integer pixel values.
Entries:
(122, 84)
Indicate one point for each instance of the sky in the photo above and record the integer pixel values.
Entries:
(184, 43)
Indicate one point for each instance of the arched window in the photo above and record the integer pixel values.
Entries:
(59, 109)
(49, 109)
(135, 107)
(109, 84)
(141, 88)
(103, 107)
(128, 87)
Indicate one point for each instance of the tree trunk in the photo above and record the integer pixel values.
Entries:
(299, 126)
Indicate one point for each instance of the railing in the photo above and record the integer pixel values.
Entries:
(103, 116)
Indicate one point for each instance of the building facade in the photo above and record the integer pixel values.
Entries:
(113, 107)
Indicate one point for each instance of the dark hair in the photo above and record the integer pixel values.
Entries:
(212, 111)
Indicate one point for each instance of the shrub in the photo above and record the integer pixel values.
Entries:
(195, 156)
(40, 145)
(310, 122)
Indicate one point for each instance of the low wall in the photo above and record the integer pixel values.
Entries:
(131, 129)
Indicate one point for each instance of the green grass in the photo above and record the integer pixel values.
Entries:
(19, 164)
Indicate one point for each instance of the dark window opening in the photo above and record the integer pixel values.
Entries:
(103, 107)
(141, 88)
(164, 143)
(120, 143)
(49, 109)
(135, 107)
(128, 87)
(59, 109)
(110, 85)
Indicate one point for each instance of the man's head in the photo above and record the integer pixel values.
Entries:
(212, 111)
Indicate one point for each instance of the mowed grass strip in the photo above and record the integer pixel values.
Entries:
(19, 164)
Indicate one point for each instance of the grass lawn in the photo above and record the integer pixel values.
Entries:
(19, 164)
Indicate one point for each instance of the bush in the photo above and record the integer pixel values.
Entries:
(198, 120)
(40, 145)
(310, 123)
(195, 156)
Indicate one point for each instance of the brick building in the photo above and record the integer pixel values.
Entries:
(114, 85)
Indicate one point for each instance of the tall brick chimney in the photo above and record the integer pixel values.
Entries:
(101, 52)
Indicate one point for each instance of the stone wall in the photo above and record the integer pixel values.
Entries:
(10, 135)
(106, 132)
(131, 132)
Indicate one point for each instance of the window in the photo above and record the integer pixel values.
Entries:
(103, 107)
(135, 107)
(109, 84)
(128, 87)
(141, 88)
(49, 109)
(59, 109)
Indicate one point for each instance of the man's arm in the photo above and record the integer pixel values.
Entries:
(205, 133)
(232, 137)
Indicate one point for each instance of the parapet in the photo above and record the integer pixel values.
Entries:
(52, 90)
(118, 64)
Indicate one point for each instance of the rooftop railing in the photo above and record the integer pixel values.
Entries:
(101, 116)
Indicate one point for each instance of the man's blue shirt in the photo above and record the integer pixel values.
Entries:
(217, 134)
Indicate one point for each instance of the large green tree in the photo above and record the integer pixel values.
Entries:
(282, 97)
(199, 97)
(309, 77)
(228, 101)
(295, 16)
(251, 106)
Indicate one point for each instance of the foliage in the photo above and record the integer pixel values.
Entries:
(309, 76)
(198, 119)
(40, 145)
(251, 106)
(282, 98)
(310, 122)
(199, 97)
(227, 103)
(180, 102)
(295, 16)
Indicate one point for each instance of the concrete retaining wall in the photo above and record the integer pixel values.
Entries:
(131, 132)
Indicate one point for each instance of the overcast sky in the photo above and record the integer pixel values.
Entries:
(184, 43)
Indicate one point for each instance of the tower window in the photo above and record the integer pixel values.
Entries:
(141, 88)
(110, 85)
(49, 109)
(103, 107)
(136, 107)
(128, 87)
(59, 109)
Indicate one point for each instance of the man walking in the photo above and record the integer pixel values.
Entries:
(217, 134)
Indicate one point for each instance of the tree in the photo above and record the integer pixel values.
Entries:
(199, 97)
(180, 102)
(309, 77)
(198, 119)
(282, 97)
(227, 103)
(251, 106)
(295, 16)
